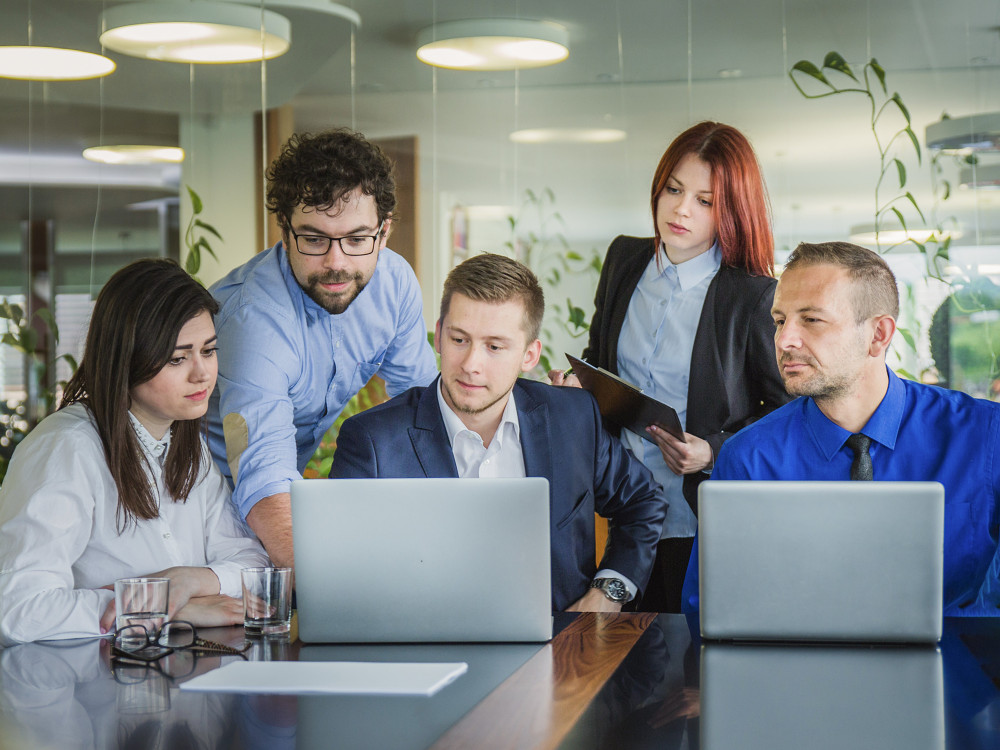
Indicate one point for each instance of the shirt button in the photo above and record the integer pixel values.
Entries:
(662, 302)
(644, 360)
(167, 535)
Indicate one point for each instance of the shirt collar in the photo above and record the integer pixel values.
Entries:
(151, 446)
(691, 272)
(454, 426)
(882, 426)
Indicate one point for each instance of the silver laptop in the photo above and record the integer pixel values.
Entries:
(821, 561)
(422, 560)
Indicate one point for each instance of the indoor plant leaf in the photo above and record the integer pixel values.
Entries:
(207, 227)
(50, 320)
(835, 61)
(880, 74)
(196, 204)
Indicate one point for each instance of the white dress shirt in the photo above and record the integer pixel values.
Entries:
(59, 530)
(654, 353)
(503, 458)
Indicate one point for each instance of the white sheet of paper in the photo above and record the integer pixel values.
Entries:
(330, 677)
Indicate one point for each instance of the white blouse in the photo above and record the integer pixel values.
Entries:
(59, 531)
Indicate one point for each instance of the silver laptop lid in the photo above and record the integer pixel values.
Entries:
(422, 560)
(821, 561)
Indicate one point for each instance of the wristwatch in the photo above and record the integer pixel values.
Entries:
(613, 588)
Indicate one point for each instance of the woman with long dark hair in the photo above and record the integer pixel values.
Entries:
(686, 316)
(119, 483)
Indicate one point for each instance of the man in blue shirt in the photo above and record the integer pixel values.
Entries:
(303, 326)
(835, 312)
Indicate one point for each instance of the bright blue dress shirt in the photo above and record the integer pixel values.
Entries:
(919, 433)
(287, 367)
(654, 354)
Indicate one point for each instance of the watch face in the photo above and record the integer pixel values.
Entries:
(616, 589)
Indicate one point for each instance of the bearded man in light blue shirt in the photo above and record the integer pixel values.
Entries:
(303, 326)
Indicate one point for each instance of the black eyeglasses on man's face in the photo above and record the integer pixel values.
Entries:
(136, 643)
(320, 244)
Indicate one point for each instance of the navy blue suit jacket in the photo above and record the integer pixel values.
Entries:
(563, 440)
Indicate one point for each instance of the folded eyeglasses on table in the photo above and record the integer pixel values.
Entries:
(137, 643)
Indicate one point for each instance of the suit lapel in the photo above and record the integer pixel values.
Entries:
(536, 442)
(622, 295)
(707, 387)
(429, 437)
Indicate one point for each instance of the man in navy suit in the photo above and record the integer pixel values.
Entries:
(478, 419)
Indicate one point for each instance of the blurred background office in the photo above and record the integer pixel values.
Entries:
(548, 163)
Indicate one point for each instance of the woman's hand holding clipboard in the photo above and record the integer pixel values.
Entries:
(624, 405)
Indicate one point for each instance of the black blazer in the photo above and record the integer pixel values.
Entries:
(734, 377)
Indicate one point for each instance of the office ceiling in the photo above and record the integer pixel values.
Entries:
(649, 67)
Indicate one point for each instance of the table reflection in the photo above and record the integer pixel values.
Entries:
(652, 699)
(69, 694)
(821, 697)
(670, 691)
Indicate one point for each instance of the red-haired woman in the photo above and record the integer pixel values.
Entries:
(686, 316)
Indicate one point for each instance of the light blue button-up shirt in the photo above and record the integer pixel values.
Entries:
(654, 353)
(287, 367)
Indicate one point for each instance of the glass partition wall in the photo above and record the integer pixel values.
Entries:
(547, 163)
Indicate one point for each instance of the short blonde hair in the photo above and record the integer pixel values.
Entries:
(496, 279)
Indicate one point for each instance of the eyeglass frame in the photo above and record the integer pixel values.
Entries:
(153, 650)
(340, 242)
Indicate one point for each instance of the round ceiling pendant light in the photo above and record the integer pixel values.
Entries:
(134, 154)
(568, 135)
(894, 234)
(979, 132)
(52, 64)
(980, 177)
(493, 44)
(196, 32)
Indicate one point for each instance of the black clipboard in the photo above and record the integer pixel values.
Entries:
(624, 405)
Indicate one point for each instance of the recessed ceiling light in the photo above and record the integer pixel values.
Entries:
(493, 44)
(195, 32)
(52, 64)
(137, 154)
(731, 73)
(568, 135)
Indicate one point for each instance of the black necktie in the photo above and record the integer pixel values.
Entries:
(861, 468)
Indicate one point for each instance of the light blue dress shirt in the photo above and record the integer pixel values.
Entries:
(287, 367)
(654, 353)
(919, 433)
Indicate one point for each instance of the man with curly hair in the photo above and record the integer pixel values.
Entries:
(303, 326)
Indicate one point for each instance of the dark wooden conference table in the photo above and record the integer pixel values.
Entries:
(604, 681)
